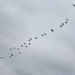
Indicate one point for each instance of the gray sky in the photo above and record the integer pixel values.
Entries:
(51, 54)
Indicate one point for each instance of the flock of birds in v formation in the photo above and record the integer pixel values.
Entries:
(30, 39)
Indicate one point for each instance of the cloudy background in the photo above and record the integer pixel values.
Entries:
(53, 54)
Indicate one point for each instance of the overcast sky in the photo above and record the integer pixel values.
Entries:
(51, 54)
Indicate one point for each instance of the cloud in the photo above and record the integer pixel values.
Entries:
(5, 70)
(48, 55)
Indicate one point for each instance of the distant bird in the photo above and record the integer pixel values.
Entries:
(11, 54)
(2, 57)
(44, 33)
(17, 48)
(14, 47)
(26, 46)
(36, 38)
(52, 30)
(30, 38)
(19, 52)
(29, 43)
(67, 19)
(21, 45)
(60, 25)
(73, 5)
(10, 48)
(66, 22)
(24, 43)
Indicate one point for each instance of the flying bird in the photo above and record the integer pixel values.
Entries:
(73, 5)
(29, 43)
(17, 48)
(66, 22)
(67, 19)
(10, 48)
(44, 33)
(41, 34)
(21, 45)
(2, 57)
(24, 43)
(52, 30)
(60, 25)
(19, 52)
(26, 46)
(30, 38)
(11, 54)
(14, 47)
(36, 38)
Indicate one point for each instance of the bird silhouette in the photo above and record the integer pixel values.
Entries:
(60, 25)
(29, 43)
(26, 46)
(73, 5)
(36, 38)
(17, 48)
(66, 22)
(30, 38)
(44, 33)
(10, 48)
(11, 54)
(14, 47)
(2, 57)
(24, 43)
(66, 19)
(19, 52)
(21, 45)
(52, 30)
